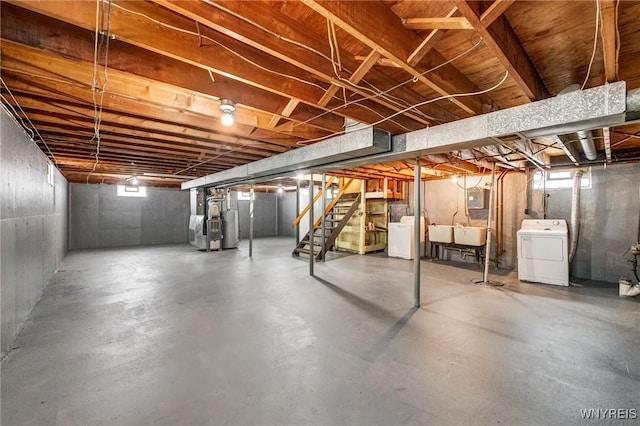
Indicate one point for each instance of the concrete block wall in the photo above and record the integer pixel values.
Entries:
(610, 211)
(33, 227)
(98, 218)
(286, 214)
(264, 215)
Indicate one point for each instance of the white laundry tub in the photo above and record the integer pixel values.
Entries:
(470, 235)
(441, 233)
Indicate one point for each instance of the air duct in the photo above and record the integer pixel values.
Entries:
(585, 136)
(587, 144)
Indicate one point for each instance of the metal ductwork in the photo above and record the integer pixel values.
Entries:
(587, 144)
(585, 136)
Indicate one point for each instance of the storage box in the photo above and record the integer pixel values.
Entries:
(470, 235)
(441, 233)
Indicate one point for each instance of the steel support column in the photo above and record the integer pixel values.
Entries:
(297, 210)
(416, 236)
(324, 207)
(251, 199)
(487, 250)
(311, 254)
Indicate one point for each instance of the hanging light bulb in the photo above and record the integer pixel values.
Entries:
(454, 179)
(227, 108)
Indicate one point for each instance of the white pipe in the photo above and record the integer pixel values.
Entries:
(575, 214)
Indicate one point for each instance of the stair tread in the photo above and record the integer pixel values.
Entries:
(315, 243)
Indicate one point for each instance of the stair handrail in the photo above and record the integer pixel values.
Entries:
(316, 197)
(341, 191)
(340, 226)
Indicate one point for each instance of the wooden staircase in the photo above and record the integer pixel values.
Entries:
(338, 213)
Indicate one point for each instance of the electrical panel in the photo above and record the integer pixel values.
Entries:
(476, 199)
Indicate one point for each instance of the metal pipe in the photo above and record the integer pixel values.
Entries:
(251, 198)
(311, 230)
(416, 235)
(487, 255)
(322, 222)
(575, 214)
(587, 144)
(297, 210)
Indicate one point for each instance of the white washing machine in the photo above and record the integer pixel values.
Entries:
(543, 251)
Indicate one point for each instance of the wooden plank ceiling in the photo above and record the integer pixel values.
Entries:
(114, 89)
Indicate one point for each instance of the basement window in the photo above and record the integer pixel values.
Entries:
(556, 179)
(244, 196)
(132, 191)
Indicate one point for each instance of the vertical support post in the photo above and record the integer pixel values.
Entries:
(487, 250)
(324, 208)
(277, 218)
(208, 239)
(297, 210)
(251, 199)
(363, 217)
(311, 230)
(416, 235)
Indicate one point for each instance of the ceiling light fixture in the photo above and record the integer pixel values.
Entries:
(132, 180)
(227, 108)
(454, 179)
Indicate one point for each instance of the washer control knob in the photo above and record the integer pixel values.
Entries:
(556, 222)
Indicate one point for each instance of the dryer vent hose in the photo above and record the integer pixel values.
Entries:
(575, 214)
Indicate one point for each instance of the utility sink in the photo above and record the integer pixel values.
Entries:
(441, 233)
(470, 235)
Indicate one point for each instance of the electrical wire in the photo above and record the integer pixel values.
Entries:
(233, 52)
(11, 111)
(375, 95)
(15, 116)
(383, 119)
(373, 89)
(101, 36)
(457, 95)
(359, 100)
(331, 35)
(410, 80)
(472, 186)
(595, 44)
(618, 42)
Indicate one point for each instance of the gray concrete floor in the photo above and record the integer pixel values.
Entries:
(170, 335)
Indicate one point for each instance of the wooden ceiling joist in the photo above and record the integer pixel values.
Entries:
(154, 73)
(428, 43)
(291, 33)
(364, 20)
(447, 23)
(505, 45)
(609, 28)
(494, 11)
